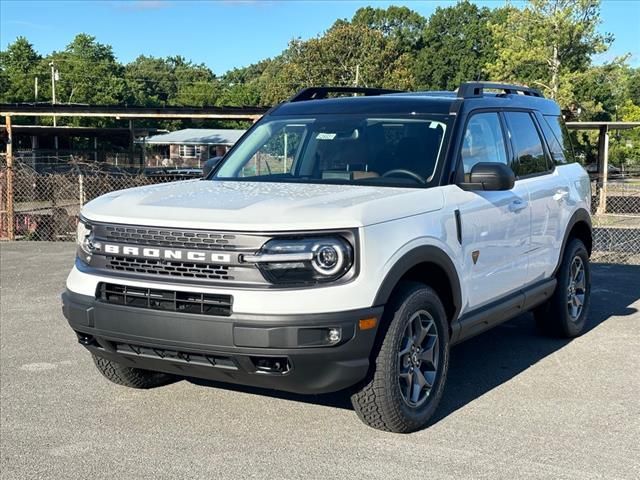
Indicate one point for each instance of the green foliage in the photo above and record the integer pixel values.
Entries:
(19, 65)
(546, 43)
(89, 73)
(457, 46)
(400, 24)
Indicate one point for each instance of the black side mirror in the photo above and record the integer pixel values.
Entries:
(209, 165)
(490, 176)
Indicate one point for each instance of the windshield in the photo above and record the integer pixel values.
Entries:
(352, 149)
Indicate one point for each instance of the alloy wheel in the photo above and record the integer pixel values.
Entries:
(576, 290)
(418, 359)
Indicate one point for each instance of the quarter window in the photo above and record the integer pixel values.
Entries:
(483, 141)
(530, 158)
(558, 139)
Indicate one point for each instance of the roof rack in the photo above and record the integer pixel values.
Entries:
(318, 93)
(476, 89)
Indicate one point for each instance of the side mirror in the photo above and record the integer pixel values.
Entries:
(490, 176)
(209, 165)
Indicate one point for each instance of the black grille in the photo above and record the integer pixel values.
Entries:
(170, 237)
(168, 300)
(165, 267)
(203, 359)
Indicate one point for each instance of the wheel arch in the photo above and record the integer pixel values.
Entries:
(429, 265)
(579, 226)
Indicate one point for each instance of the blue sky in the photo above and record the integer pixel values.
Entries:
(228, 33)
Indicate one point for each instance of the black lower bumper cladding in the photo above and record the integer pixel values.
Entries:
(283, 352)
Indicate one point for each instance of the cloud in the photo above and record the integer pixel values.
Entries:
(139, 5)
(23, 23)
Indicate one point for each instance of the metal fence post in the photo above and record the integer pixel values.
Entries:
(11, 219)
(81, 189)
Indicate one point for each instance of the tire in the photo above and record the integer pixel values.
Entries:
(559, 316)
(131, 377)
(386, 401)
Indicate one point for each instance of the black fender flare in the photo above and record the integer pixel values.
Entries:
(580, 215)
(416, 256)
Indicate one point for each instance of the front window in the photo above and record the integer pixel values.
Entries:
(348, 149)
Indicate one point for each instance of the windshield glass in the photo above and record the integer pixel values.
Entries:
(352, 149)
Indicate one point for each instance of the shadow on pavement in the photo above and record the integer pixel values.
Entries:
(495, 357)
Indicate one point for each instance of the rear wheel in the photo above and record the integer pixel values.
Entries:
(131, 377)
(565, 313)
(411, 364)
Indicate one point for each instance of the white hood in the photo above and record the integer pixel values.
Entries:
(258, 206)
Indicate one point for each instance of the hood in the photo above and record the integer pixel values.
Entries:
(260, 206)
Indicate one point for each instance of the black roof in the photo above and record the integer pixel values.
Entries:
(382, 104)
(470, 96)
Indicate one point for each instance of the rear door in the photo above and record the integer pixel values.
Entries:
(547, 191)
(495, 224)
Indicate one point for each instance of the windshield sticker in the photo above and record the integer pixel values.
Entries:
(325, 136)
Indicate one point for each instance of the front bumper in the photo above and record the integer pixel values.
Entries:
(270, 351)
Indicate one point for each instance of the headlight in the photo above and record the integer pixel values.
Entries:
(84, 237)
(304, 260)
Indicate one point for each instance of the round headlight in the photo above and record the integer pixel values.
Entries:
(304, 260)
(329, 258)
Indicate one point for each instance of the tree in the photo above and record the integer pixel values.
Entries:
(149, 81)
(547, 42)
(19, 65)
(89, 73)
(347, 54)
(457, 46)
(401, 24)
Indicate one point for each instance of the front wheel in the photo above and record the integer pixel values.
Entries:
(565, 313)
(411, 364)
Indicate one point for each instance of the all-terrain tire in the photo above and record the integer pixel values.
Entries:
(554, 318)
(131, 377)
(379, 402)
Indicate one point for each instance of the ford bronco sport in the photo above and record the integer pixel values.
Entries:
(344, 243)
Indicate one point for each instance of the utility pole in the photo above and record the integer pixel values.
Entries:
(54, 77)
(34, 138)
(355, 84)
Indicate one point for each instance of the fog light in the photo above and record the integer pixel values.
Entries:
(334, 335)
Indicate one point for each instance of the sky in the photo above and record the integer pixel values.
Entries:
(225, 34)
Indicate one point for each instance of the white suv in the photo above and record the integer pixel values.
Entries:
(344, 243)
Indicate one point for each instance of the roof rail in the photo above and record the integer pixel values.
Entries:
(476, 89)
(318, 93)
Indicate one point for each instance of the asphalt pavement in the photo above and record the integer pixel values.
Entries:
(517, 405)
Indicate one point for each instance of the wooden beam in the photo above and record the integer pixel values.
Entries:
(170, 112)
(603, 168)
(175, 116)
(11, 220)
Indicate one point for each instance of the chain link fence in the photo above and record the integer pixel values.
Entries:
(46, 201)
(616, 220)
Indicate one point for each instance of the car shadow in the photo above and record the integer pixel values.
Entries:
(495, 357)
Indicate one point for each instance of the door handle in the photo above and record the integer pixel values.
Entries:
(518, 205)
(560, 194)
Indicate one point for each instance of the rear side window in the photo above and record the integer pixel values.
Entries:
(558, 139)
(483, 141)
(530, 158)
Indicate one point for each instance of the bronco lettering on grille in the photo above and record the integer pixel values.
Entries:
(165, 253)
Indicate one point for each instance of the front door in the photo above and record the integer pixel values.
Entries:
(495, 224)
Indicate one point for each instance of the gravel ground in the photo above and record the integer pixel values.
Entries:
(517, 405)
